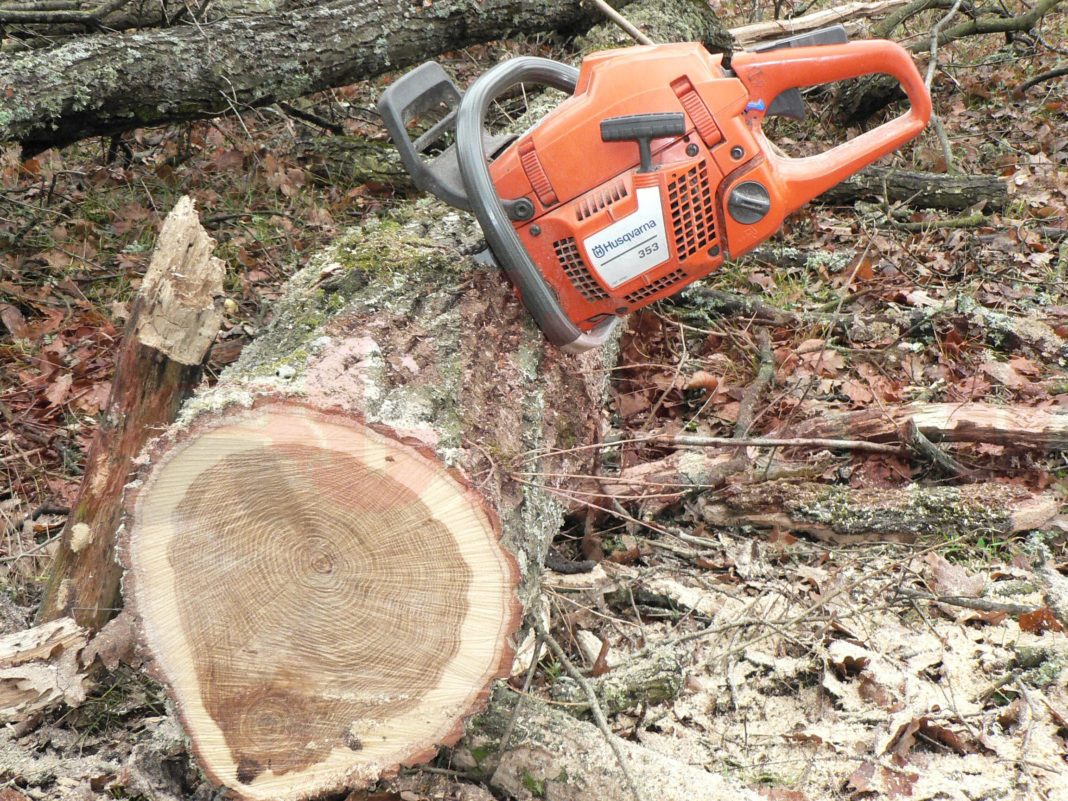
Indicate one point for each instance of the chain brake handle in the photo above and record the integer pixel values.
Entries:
(768, 74)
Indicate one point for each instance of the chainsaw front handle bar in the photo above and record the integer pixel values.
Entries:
(768, 74)
(536, 294)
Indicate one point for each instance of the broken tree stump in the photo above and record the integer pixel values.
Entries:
(173, 321)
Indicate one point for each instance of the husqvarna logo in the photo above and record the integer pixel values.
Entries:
(602, 249)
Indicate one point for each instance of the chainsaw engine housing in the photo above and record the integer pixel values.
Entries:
(649, 175)
(607, 236)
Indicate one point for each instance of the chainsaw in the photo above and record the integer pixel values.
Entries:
(652, 173)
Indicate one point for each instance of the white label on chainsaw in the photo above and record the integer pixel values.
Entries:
(633, 245)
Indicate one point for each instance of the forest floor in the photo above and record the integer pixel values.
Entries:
(817, 668)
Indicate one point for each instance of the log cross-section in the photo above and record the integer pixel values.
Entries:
(324, 600)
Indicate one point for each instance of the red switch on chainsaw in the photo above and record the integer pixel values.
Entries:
(652, 173)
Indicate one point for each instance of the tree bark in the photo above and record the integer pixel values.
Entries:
(108, 83)
(172, 325)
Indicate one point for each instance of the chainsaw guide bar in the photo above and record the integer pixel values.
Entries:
(652, 173)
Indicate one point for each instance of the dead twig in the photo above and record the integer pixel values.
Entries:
(622, 22)
(924, 446)
(979, 604)
(591, 699)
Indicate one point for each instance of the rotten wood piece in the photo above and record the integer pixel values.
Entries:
(173, 322)
(39, 669)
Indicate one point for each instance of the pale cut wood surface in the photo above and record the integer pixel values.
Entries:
(324, 601)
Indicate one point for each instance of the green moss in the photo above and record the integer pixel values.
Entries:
(480, 753)
(535, 787)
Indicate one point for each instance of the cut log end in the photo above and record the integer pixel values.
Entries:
(324, 601)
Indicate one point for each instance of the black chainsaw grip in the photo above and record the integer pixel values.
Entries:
(537, 295)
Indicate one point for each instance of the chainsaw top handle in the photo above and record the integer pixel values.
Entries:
(767, 74)
(537, 295)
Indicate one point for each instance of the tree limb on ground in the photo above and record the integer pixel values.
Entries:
(842, 514)
(1011, 426)
(102, 84)
(849, 13)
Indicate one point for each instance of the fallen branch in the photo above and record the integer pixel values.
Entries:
(838, 514)
(593, 704)
(994, 24)
(748, 35)
(1011, 426)
(920, 189)
(1042, 77)
(979, 604)
(652, 679)
(46, 13)
(569, 760)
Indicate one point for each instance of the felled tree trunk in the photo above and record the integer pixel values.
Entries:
(843, 514)
(172, 324)
(315, 551)
(103, 84)
(329, 553)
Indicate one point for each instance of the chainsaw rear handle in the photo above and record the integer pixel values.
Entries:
(767, 74)
(487, 207)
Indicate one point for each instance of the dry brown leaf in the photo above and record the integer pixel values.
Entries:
(60, 388)
(946, 578)
(870, 778)
(13, 321)
(1040, 621)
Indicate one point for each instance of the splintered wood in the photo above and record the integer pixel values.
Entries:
(324, 601)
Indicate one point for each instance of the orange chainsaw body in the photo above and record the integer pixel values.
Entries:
(609, 237)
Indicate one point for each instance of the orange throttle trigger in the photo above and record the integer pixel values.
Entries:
(768, 74)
